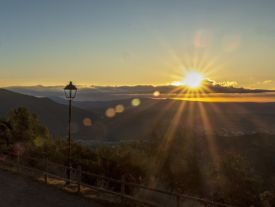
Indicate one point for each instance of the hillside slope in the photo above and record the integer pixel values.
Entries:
(52, 114)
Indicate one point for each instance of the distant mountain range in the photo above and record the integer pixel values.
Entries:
(152, 117)
(110, 93)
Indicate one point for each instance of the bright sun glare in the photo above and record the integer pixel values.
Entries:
(193, 79)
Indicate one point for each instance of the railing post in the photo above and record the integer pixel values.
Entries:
(97, 182)
(79, 176)
(18, 162)
(122, 188)
(178, 200)
(46, 171)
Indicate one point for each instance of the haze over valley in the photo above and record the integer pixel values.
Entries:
(151, 115)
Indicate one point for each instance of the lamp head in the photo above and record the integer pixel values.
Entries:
(70, 90)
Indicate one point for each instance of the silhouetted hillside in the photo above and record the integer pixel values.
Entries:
(53, 115)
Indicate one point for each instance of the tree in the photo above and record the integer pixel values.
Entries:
(5, 132)
(26, 127)
(267, 198)
(241, 186)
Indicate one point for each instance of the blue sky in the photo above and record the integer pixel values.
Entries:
(136, 42)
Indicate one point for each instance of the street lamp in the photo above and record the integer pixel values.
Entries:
(70, 93)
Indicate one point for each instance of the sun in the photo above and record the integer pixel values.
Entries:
(193, 79)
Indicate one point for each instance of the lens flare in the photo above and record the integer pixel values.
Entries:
(110, 112)
(135, 102)
(119, 108)
(156, 93)
(87, 122)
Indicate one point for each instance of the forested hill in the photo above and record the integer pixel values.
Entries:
(53, 115)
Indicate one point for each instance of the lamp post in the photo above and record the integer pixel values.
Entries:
(70, 93)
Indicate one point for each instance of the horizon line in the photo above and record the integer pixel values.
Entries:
(117, 86)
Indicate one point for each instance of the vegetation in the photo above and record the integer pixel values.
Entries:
(22, 126)
(237, 170)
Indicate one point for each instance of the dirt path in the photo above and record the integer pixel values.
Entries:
(20, 191)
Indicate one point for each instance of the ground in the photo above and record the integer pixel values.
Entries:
(20, 191)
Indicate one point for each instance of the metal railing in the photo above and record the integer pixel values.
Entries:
(88, 182)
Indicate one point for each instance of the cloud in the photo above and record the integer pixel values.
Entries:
(263, 84)
(228, 83)
(267, 82)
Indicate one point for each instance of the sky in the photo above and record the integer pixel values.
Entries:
(127, 42)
